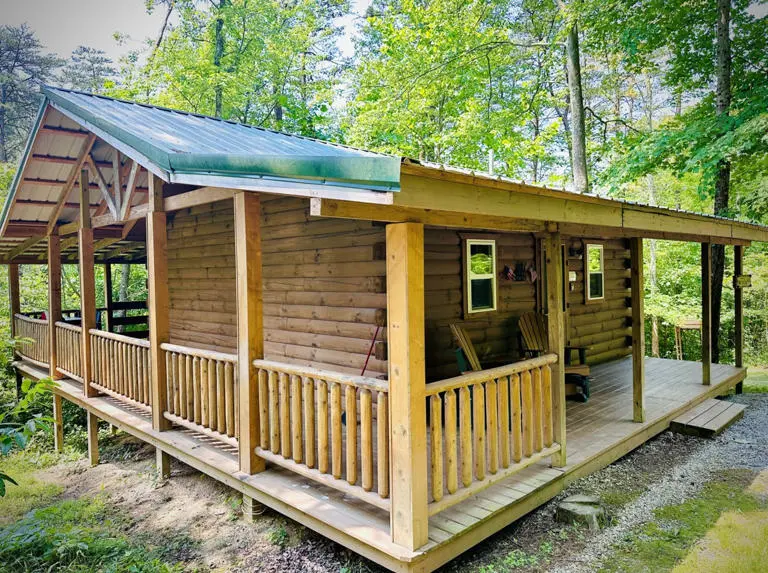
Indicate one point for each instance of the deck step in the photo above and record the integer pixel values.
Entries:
(708, 419)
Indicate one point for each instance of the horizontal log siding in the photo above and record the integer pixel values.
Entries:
(324, 285)
(602, 326)
(201, 277)
(324, 288)
(494, 334)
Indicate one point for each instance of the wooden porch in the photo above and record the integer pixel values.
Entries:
(598, 432)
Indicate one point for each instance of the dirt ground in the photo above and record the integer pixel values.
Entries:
(191, 506)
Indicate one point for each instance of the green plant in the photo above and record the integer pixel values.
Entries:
(279, 536)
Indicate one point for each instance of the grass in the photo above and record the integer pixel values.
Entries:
(738, 543)
(86, 534)
(661, 544)
(31, 491)
(756, 381)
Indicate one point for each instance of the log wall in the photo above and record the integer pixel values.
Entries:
(324, 285)
(602, 326)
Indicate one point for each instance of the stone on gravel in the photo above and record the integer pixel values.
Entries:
(579, 508)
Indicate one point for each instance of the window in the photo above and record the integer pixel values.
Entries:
(481, 275)
(595, 272)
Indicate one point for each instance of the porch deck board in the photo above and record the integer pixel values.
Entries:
(599, 432)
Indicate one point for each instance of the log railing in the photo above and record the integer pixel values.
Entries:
(202, 392)
(326, 426)
(120, 366)
(69, 340)
(34, 335)
(487, 425)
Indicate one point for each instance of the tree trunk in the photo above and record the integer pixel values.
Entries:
(578, 129)
(651, 184)
(218, 53)
(723, 178)
(122, 290)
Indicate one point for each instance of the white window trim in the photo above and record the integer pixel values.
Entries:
(589, 273)
(469, 275)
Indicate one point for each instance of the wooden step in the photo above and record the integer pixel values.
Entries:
(708, 418)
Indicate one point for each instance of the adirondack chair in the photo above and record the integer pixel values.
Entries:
(533, 335)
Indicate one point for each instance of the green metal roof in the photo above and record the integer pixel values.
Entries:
(186, 143)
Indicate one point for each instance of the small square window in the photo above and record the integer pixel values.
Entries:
(595, 272)
(481, 275)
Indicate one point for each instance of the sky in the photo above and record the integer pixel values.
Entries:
(63, 25)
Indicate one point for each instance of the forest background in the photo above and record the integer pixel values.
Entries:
(661, 102)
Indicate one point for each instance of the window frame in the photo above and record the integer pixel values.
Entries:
(469, 276)
(588, 298)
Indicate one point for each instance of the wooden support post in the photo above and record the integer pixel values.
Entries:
(556, 338)
(87, 283)
(54, 300)
(13, 293)
(738, 302)
(58, 424)
(250, 329)
(157, 303)
(407, 386)
(638, 330)
(93, 439)
(163, 463)
(108, 302)
(706, 313)
(251, 508)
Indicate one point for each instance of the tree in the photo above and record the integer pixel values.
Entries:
(23, 67)
(89, 70)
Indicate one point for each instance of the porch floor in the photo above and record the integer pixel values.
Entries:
(599, 432)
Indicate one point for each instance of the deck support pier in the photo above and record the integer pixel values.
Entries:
(638, 330)
(251, 508)
(54, 301)
(706, 313)
(157, 303)
(87, 287)
(409, 517)
(163, 464)
(13, 294)
(738, 303)
(556, 338)
(93, 439)
(250, 329)
(58, 423)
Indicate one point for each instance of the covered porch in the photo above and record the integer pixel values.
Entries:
(598, 432)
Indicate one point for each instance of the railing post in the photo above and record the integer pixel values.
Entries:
(157, 303)
(638, 329)
(738, 303)
(87, 284)
(250, 329)
(54, 300)
(13, 294)
(556, 338)
(408, 426)
(706, 313)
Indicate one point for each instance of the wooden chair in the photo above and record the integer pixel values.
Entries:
(533, 334)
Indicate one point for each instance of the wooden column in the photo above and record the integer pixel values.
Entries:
(54, 300)
(408, 424)
(107, 319)
(738, 301)
(13, 293)
(638, 330)
(93, 439)
(250, 328)
(706, 313)
(87, 284)
(157, 303)
(556, 338)
(58, 424)
(163, 463)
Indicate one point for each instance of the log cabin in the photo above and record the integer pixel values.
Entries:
(295, 340)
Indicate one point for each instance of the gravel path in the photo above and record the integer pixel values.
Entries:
(743, 445)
